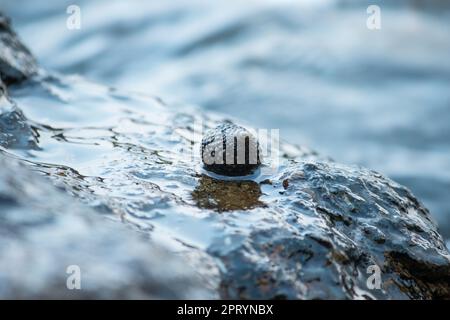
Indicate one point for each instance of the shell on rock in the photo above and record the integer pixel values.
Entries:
(230, 150)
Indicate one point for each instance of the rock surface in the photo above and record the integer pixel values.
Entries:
(15, 130)
(44, 231)
(327, 226)
(16, 61)
(309, 230)
(16, 64)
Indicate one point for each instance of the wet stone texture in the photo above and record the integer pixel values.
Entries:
(44, 231)
(15, 131)
(310, 230)
(16, 61)
(16, 64)
(336, 221)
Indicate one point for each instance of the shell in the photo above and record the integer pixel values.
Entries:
(230, 150)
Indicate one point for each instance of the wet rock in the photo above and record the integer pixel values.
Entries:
(230, 150)
(313, 232)
(327, 228)
(15, 130)
(314, 229)
(16, 61)
(43, 232)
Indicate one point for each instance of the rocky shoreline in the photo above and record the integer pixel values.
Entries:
(310, 231)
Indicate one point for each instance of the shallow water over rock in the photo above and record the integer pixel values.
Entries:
(377, 98)
(308, 230)
(44, 233)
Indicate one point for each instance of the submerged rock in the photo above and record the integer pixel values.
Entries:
(227, 195)
(15, 131)
(313, 229)
(44, 233)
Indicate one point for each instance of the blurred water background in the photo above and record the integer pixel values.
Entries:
(378, 98)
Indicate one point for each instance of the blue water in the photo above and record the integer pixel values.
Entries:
(310, 68)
